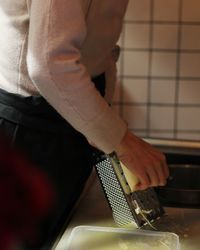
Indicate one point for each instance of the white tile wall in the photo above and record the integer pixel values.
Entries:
(190, 65)
(136, 63)
(161, 134)
(135, 90)
(163, 91)
(137, 35)
(190, 37)
(189, 136)
(190, 10)
(138, 10)
(188, 118)
(165, 10)
(163, 64)
(135, 116)
(161, 118)
(159, 69)
(189, 92)
(165, 36)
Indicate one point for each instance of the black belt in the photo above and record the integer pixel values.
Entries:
(36, 112)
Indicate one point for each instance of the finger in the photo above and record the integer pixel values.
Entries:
(161, 174)
(154, 171)
(163, 171)
(162, 168)
(141, 186)
(144, 181)
(153, 176)
(164, 165)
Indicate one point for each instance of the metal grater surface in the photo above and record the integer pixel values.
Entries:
(140, 207)
(118, 201)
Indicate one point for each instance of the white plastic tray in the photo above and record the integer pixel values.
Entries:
(108, 238)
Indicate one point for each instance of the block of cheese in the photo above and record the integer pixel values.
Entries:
(131, 179)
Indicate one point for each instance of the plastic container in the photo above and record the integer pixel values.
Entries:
(108, 238)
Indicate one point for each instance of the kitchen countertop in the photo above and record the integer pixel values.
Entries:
(93, 210)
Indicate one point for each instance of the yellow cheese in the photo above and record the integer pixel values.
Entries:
(131, 179)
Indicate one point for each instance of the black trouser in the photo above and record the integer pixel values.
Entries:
(52, 145)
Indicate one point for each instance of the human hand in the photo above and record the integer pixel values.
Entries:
(143, 160)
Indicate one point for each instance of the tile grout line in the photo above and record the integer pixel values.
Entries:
(178, 62)
(148, 107)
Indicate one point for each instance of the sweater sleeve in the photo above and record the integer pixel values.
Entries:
(57, 30)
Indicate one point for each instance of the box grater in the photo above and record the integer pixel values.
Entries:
(140, 208)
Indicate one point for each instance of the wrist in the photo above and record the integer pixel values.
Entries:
(120, 148)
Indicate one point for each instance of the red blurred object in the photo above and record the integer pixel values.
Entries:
(25, 197)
